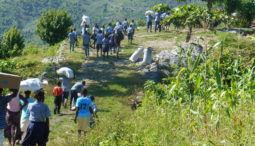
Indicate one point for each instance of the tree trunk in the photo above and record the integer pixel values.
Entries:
(209, 4)
(189, 34)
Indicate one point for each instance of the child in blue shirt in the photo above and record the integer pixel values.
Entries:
(24, 120)
(106, 43)
(99, 42)
(83, 112)
(38, 129)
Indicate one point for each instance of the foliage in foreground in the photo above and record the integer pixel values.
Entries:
(12, 43)
(53, 26)
(209, 102)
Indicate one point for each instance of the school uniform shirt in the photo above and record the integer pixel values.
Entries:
(84, 103)
(149, 18)
(125, 23)
(75, 35)
(71, 37)
(133, 25)
(157, 17)
(109, 29)
(38, 112)
(3, 103)
(77, 87)
(24, 114)
(99, 38)
(130, 30)
(65, 84)
(95, 29)
(86, 39)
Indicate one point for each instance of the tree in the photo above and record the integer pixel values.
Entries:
(162, 8)
(209, 3)
(12, 43)
(187, 15)
(53, 26)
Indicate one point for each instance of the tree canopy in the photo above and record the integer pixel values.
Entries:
(53, 26)
(12, 43)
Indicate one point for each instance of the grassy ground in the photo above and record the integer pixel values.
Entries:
(113, 82)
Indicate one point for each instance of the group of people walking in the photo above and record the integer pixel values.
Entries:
(25, 119)
(105, 41)
(157, 22)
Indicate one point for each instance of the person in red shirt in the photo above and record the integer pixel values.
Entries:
(57, 92)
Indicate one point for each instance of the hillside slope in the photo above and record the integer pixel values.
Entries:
(24, 13)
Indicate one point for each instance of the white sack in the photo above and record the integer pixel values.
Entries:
(147, 56)
(149, 12)
(31, 84)
(135, 56)
(85, 19)
(65, 71)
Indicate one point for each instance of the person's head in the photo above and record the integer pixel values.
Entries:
(84, 92)
(125, 19)
(100, 31)
(92, 98)
(74, 29)
(71, 30)
(133, 20)
(27, 94)
(59, 83)
(83, 82)
(120, 23)
(110, 24)
(39, 95)
(130, 25)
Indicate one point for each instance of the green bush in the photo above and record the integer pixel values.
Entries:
(31, 49)
(53, 26)
(141, 22)
(12, 43)
(162, 8)
(7, 66)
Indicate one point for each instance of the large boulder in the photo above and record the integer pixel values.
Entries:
(176, 56)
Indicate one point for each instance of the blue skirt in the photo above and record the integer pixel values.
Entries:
(37, 133)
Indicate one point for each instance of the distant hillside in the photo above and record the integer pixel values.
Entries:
(24, 13)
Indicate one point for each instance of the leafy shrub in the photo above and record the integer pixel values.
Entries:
(141, 22)
(162, 8)
(12, 43)
(7, 66)
(53, 26)
(31, 49)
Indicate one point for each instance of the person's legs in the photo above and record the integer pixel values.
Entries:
(24, 123)
(101, 49)
(55, 105)
(72, 97)
(1, 137)
(59, 99)
(97, 47)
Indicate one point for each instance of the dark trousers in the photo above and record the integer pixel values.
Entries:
(157, 26)
(74, 96)
(99, 48)
(37, 133)
(57, 104)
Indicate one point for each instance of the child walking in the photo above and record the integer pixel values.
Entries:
(24, 120)
(58, 93)
(106, 46)
(38, 129)
(99, 41)
(83, 112)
